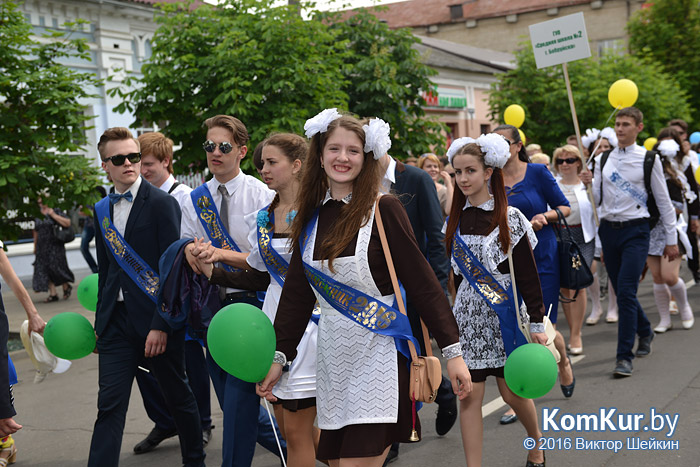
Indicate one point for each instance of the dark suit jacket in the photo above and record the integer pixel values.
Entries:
(417, 193)
(153, 224)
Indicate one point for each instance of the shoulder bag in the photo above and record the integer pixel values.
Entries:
(63, 234)
(574, 273)
(425, 372)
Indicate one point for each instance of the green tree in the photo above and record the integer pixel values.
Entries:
(262, 64)
(273, 69)
(42, 122)
(542, 93)
(385, 78)
(669, 32)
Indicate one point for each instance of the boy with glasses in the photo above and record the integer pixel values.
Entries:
(231, 195)
(140, 222)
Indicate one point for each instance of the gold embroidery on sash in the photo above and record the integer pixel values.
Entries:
(209, 217)
(490, 288)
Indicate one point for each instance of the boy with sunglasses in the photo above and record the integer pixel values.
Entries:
(216, 211)
(136, 224)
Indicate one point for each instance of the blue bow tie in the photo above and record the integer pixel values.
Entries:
(115, 197)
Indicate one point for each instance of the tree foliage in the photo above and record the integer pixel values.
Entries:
(42, 122)
(273, 69)
(669, 32)
(385, 78)
(542, 93)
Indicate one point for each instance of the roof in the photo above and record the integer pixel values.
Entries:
(481, 60)
(417, 13)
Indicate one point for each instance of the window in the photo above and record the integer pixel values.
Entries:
(614, 46)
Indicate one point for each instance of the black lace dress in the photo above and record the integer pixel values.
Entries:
(51, 264)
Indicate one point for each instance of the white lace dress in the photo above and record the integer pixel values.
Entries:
(357, 373)
(300, 381)
(479, 330)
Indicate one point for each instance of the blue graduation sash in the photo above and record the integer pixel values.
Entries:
(135, 267)
(275, 264)
(493, 293)
(369, 312)
(208, 215)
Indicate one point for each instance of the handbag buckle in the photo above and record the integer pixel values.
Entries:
(432, 397)
(576, 262)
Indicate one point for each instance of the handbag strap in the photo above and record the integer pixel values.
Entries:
(395, 284)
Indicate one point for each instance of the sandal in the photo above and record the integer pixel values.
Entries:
(8, 455)
(67, 291)
(51, 298)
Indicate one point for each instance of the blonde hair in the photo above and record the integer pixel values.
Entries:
(567, 149)
(540, 158)
(429, 157)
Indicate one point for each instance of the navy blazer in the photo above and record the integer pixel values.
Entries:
(417, 193)
(153, 225)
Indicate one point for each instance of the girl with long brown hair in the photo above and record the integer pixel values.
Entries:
(362, 380)
(294, 397)
(481, 231)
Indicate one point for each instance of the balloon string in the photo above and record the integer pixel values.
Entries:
(597, 144)
(272, 422)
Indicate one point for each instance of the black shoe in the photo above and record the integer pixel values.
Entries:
(537, 464)
(154, 438)
(507, 419)
(644, 345)
(446, 416)
(206, 436)
(568, 390)
(623, 368)
(393, 454)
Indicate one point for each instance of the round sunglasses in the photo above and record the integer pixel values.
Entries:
(210, 146)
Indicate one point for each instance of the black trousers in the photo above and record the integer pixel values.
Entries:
(121, 351)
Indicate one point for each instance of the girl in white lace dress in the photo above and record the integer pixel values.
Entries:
(362, 381)
(482, 225)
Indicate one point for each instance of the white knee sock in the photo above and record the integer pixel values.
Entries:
(662, 297)
(681, 295)
(612, 302)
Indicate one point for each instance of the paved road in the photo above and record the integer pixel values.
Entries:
(59, 413)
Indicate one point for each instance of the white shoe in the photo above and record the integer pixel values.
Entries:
(592, 319)
(688, 323)
(611, 319)
(660, 328)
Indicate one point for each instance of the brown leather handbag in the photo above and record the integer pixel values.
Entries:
(425, 372)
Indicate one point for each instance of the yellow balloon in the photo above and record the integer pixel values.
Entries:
(514, 115)
(649, 143)
(623, 93)
(697, 175)
(522, 136)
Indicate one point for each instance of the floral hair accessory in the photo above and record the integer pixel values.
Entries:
(377, 137)
(668, 148)
(591, 136)
(609, 134)
(457, 145)
(319, 123)
(496, 149)
(263, 218)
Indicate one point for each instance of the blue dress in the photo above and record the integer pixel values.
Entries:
(536, 193)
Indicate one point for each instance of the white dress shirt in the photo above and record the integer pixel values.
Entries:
(181, 192)
(390, 176)
(120, 215)
(629, 203)
(246, 195)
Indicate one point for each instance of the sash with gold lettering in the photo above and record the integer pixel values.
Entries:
(493, 293)
(135, 267)
(275, 264)
(208, 215)
(365, 310)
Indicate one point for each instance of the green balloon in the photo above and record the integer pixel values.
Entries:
(531, 371)
(69, 335)
(241, 340)
(87, 292)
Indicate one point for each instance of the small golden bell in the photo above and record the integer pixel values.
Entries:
(414, 436)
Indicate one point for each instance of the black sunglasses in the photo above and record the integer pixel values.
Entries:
(210, 146)
(570, 160)
(119, 159)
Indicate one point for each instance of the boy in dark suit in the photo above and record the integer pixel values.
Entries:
(135, 225)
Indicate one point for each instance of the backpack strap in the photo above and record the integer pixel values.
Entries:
(649, 160)
(172, 188)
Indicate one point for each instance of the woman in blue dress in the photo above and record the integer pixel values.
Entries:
(532, 189)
